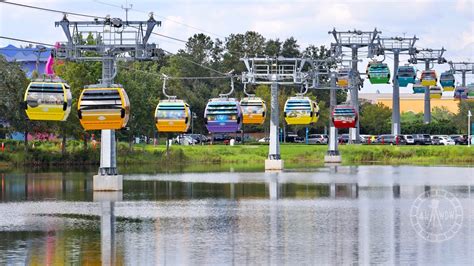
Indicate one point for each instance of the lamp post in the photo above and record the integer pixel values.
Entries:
(193, 116)
(469, 114)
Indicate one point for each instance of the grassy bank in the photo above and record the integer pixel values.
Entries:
(49, 154)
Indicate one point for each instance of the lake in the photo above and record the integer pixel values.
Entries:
(326, 215)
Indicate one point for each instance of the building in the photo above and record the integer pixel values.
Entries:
(412, 102)
(28, 57)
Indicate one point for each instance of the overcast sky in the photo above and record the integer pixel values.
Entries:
(438, 23)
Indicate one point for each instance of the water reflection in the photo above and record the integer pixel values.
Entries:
(68, 187)
(343, 215)
(107, 225)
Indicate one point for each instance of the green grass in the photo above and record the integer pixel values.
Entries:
(250, 156)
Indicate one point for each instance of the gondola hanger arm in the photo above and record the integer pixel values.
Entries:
(246, 93)
(231, 85)
(305, 86)
(165, 78)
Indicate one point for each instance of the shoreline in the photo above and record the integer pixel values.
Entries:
(47, 155)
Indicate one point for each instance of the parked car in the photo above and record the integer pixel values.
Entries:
(220, 137)
(461, 140)
(366, 138)
(435, 140)
(343, 138)
(454, 137)
(185, 140)
(294, 138)
(391, 139)
(199, 138)
(421, 139)
(445, 140)
(410, 140)
(317, 139)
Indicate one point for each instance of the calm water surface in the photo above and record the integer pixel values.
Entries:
(342, 215)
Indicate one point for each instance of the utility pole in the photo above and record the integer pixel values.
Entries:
(354, 40)
(274, 72)
(114, 40)
(127, 7)
(428, 57)
(397, 46)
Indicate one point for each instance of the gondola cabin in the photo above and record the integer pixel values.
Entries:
(172, 116)
(418, 88)
(447, 81)
(460, 93)
(49, 101)
(253, 110)
(343, 77)
(429, 78)
(405, 75)
(378, 73)
(435, 92)
(103, 108)
(301, 111)
(223, 115)
(344, 116)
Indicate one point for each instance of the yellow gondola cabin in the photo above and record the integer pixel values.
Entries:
(103, 108)
(172, 116)
(253, 110)
(301, 111)
(50, 101)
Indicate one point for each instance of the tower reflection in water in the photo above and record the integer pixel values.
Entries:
(277, 218)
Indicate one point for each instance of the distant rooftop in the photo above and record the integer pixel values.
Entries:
(19, 54)
(27, 57)
(374, 97)
(412, 102)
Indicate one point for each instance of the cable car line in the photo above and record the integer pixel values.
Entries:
(163, 17)
(175, 78)
(91, 16)
(25, 41)
(186, 59)
(49, 10)
(224, 75)
(78, 14)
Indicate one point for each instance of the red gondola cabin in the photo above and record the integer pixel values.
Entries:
(344, 116)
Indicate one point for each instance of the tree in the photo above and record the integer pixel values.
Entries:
(290, 48)
(273, 48)
(77, 75)
(200, 48)
(13, 83)
(460, 119)
(375, 118)
(143, 90)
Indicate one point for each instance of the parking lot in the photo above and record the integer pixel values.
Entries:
(322, 139)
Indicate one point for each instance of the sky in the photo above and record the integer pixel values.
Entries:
(437, 23)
